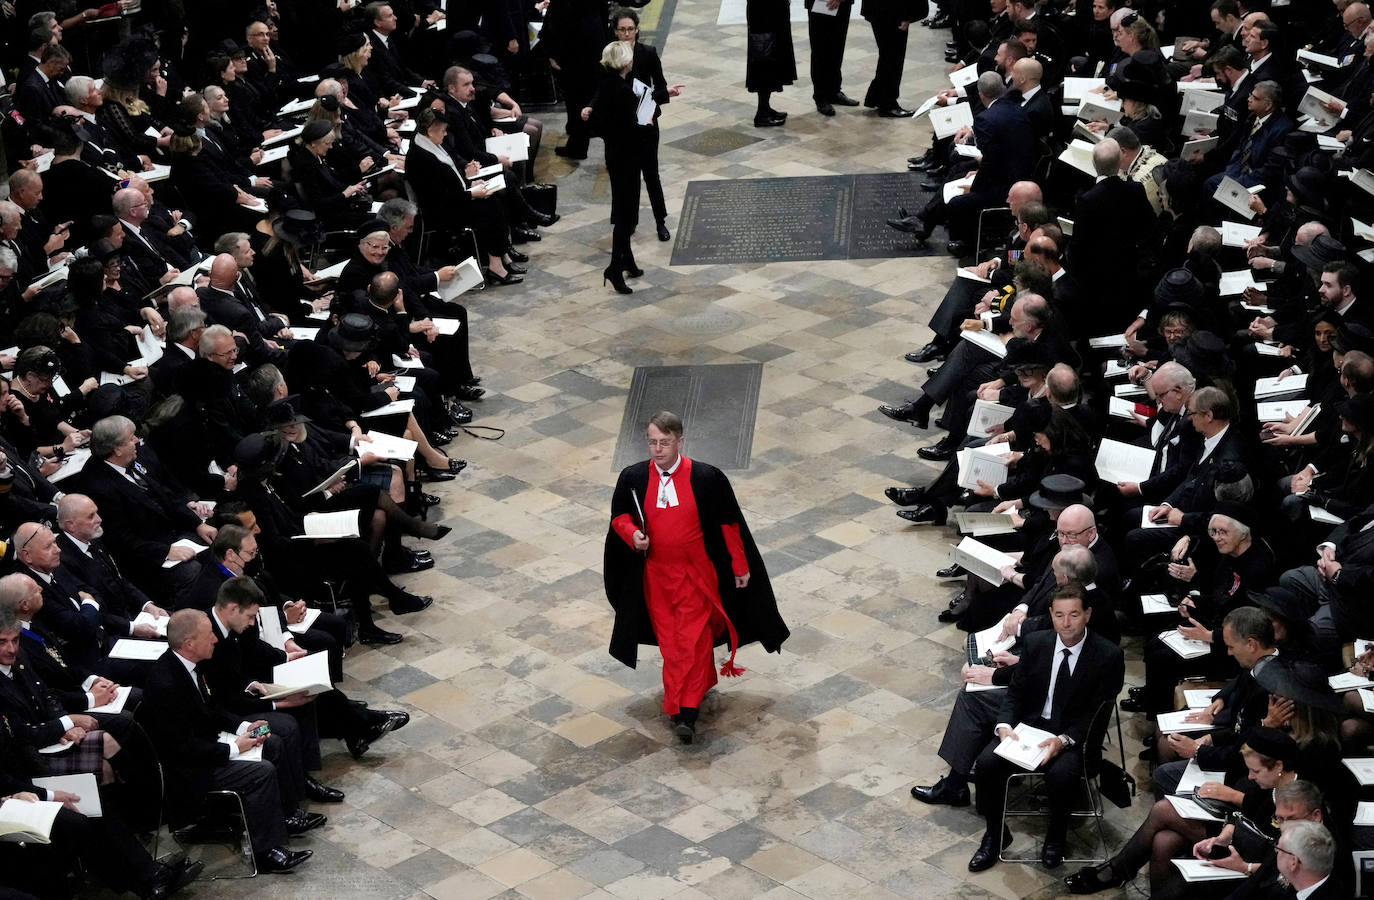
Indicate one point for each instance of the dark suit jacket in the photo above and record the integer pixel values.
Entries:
(1097, 678)
(1194, 494)
(1004, 135)
(1254, 161)
(120, 600)
(36, 97)
(385, 71)
(184, 726)
(238, 660)
(1040, 110)
(140, 526)
(79, 626)
(466, 140)
(1111, 219)
(34, 712)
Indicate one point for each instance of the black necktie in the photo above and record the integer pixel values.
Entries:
(1061, 687)
(136, 473)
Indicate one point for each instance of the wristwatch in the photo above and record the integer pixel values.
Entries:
(1066, 741)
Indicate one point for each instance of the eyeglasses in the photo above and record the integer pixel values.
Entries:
(1066, 535)
(247, 555)
(232, 351)
(43, 525)
(626, 29)
(665, 442)
(1278, 849)
(1218, 532)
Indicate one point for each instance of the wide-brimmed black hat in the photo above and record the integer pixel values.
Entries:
(1301, 682)
(1308, 185)
(126, 65)
(1204, 354)
(1321, 250)
(1271, 742)
(1180, 286)
(285, 412)
(1137, 91)
(258, 454)
(230, 48)
(1281, 603)
(297, 226)
(1058, 492)
(1358, 411)
(1353, 336)
(354, 333)
(1238, 512)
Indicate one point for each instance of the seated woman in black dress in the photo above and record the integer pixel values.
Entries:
(338, 201)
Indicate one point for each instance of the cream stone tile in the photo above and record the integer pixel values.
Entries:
(515, 867)
(783, 862)
(559, 884)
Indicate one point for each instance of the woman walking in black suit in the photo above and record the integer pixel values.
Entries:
(648, 70)
(613, 114)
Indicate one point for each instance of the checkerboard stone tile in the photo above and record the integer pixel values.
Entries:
(534, 765)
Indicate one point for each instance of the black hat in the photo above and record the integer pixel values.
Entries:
(351, 42)
(1271, 742)
(1300, 682)
(1058, 492)
(1137, 91)
(126, 66)
(297, 226)
(257, 454)
(1358, 411)
(370, 226)
(1322, 250)
(314, 130)
(329, 102)
(38, 360)
(1180, 287)
(102, 250)
(1353, 336)
(354, 333)
(285, 412)
(230, 48)
(1237, 511)
(1308, 186)
(1280, 602)
(1204, 355)
(108, 400)
(1024, 354)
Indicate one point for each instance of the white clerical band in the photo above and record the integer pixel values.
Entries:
(667, 494)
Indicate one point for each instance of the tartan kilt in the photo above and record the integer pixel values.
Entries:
(84, 757)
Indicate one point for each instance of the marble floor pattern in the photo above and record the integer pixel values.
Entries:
(535, 766)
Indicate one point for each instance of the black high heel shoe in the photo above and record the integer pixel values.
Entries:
(616, 279)
(427, 472)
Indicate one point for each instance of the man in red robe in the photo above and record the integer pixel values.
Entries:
(683, 572)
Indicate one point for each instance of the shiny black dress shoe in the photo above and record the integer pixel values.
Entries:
(824, 108)
(280, 859)
(959, 248)
(768, 120)
(409, 603)
(515, 268)
(373, 636)
(458, 413)
(1133, 705)
(1052, 854)
(167, 880)
(937, 452)
(941, 794)
(951, 56)
(953, 570)
(956, 609)
(441, 438)
(905, 496)
(567, 153)
(925, 514)
(474, 380)
(932, 182)
(525, 235)
(942, 20)
(686, 732)
(907, 412)
(929, 353)
(663, 233)
(517, 256)
(932, 372)
(301, 821)
(407, 562)
(896, 112)
(1092, 879)
(322, 793)
(840, 99)
(542, 220)
(428, 500)
(913, 226)
(494, 280)
(985, 857)
(383, 722)
(469, 392)
(395, 720)
(1136, 693)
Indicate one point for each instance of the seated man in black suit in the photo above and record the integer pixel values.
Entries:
(185, 725)
(223, 305)
(185, 325)
(1064, 678)
(144, 516)
(81, 539)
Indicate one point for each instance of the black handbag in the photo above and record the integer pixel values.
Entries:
(1115, 784)
(542, 197)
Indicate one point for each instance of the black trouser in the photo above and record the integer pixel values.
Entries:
(104, 845)
(827, 34)
(1062, 775)
(256, 783)
(623, 169)
(577, 88)
(648, 164)
(886, 85)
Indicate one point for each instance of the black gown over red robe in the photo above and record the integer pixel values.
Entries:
(752, 610)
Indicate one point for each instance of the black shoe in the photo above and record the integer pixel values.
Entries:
(542, 220)
(1134, 705)
(1052, 854)
(929, 353)
(407, 563)
(469, 392)
(951, 56)
(494, 280)
(616, 279)
(905, 496)
(768, 120)
(925, 514)
(931, 373)
(425, 472)
(1092, 879)
(932, 183)
(515, 269)
(685, 731)
(567, 153)
(663, 233)
(441, 438)
(383, 723)
(1136, 693)
(1149, 755)
(525, 235)
(373, 636)
(169, 879)
(959, 248)
(956, 609)
(919, 163)
(942, 20)
(907, 412)
(458, 413)
(824, 108)
(301, 821)
(396, 719)
(841, 100)
(322, 793)
(913, 226)
(941, 794)
(896, 112)
(953, 570)
(985, 857)
(936, 452)
(409, 603)
(280, 859)
(516, 255)
(633, 271)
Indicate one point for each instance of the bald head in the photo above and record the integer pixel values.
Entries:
(1076, 525)
(182, 296)
(1308, 231)
(1107, 157)
(1021, 193)
(224, 272)
(20, 595)
(1026, 74)
(128, 204)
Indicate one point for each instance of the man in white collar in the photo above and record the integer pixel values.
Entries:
(1306, 854)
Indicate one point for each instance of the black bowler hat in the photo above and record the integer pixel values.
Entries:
(354, 333)
(257, 454)
(1323, 249)
(1301, 682)
(1058, 492)
(1308, 186)
(297, 226)
(285, 412)
(1271, 742)
(1358, 411)
(1353, 336)
(1137, 91)
(1180, 286)
(1204, 354)
(1281, 603)
(351, 42)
